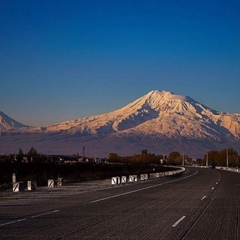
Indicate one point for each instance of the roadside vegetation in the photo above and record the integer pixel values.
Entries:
(226, 157)
(35, 166)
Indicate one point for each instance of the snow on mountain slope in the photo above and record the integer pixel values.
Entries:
(160, 121)
(158, 112)
(7, 123)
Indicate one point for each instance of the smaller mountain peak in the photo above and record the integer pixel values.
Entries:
(7, 122)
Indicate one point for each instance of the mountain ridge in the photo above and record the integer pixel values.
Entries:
(160, 115)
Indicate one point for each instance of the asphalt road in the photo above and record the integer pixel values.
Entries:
(198, 204)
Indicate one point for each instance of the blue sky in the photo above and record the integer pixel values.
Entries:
(62, 60)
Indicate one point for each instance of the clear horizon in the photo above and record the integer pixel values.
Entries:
(64, 60)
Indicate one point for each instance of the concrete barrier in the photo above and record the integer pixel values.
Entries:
(59, 181)
(14, 178)
(143, 177)
(123, 179)
(229, 169)
(31, 185)
(152, 175)
(161, 174)
(132, 178)
(135, 178)
(115, 180)
(18, 187)
(157, 175)
(51, 183)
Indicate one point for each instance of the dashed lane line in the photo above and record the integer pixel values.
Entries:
(32, 217)
(12, 222)
(177, 222)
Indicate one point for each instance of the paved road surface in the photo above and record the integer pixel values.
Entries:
(199, 204)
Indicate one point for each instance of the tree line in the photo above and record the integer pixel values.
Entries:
(145, 157)
(223, 157)
(226, 157)
(31, 153)
(219, 158)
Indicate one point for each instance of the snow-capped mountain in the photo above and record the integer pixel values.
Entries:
(158, 112)
(7, 123)
(158, 121)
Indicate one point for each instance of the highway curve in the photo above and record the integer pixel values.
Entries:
(198, 204)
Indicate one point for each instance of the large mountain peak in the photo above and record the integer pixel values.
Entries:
(157, 112)
(160, 101)
(159, 120)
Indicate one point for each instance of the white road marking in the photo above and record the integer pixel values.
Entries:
(212, 188)
(216, 182)
(203, 197)
(44, 214)
(176, 223)
(140, 189)
(8, 223)
(24, 219)
(186, 171)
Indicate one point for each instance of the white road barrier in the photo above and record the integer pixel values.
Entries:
(31, 185)
(59, 181)
(132, 178)
(142, 177)
(18, 186)
(152, 175)
(14, 178)
(115, 180)
(124, 179)
(51, 183)
(229, 169)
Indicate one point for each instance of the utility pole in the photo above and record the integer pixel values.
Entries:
(83, 153)
(227, 157)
